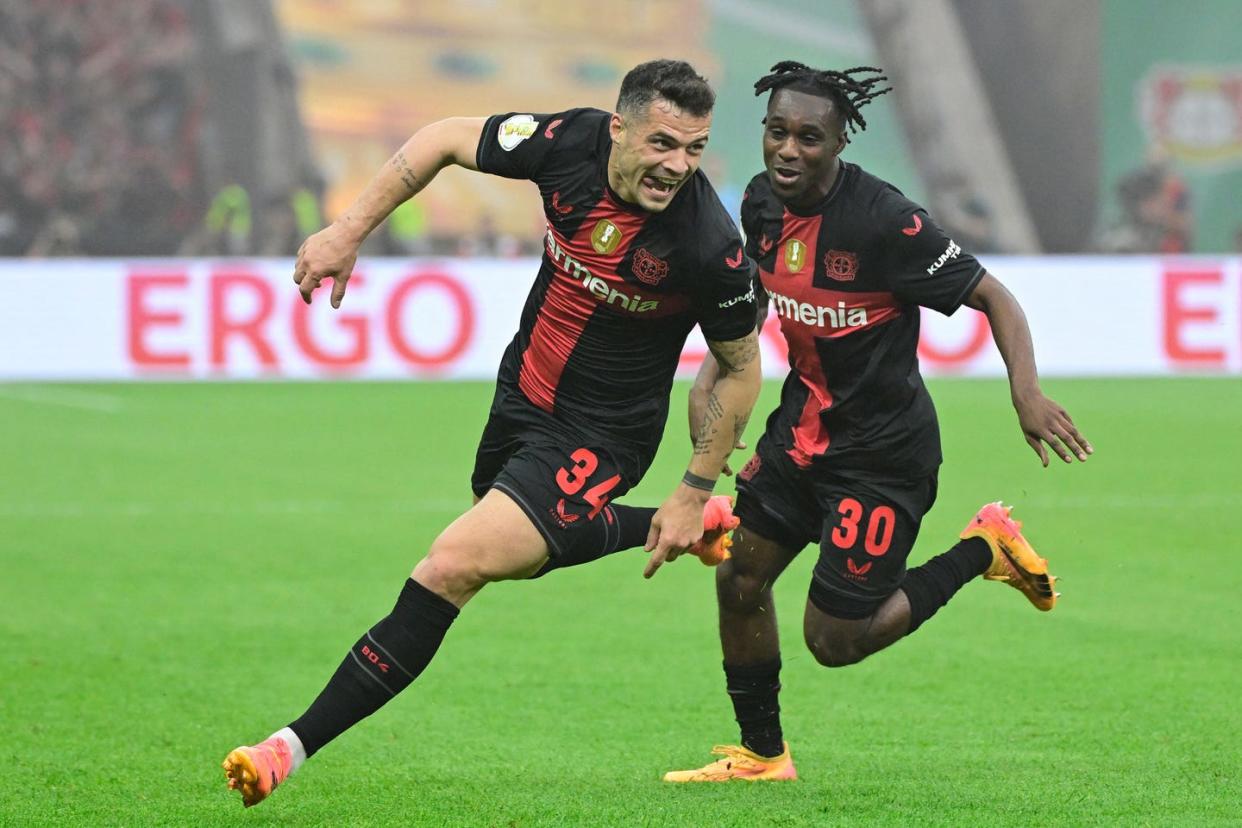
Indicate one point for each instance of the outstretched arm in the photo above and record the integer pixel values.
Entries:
(705, 382)
(678, 523)
(1042, 419)
(330, 253)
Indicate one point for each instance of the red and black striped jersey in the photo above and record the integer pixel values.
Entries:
(619, 288)
(846, 279)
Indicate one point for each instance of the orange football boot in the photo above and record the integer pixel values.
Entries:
(1013, 559)
(739, 763)
(256, 770)
(718, 520)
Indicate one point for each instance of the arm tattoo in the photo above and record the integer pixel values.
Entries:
(407, 175)
(736, 354)
(739, 426)
(712, 416)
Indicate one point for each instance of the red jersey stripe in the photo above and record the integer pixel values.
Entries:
(795, 262)
(595, 251)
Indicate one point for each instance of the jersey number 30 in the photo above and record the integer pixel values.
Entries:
(880, 527)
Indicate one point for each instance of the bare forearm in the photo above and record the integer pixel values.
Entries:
(1010, 332)
(1013, 340)
(726, 412)
(703, 384)
(728, 404)
(409, 170)
(1043, 421)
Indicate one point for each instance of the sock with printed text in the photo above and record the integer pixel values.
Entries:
(381, 664)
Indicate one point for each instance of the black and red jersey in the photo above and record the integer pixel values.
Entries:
(619, 288)
(846, 279)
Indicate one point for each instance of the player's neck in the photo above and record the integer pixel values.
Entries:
(615, 182)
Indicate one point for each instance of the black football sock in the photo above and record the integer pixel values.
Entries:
(617, 527)
(930, 586)
(754, 689)
(382, 664)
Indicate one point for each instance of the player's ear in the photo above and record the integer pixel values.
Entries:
(842, 140)
(616, 126)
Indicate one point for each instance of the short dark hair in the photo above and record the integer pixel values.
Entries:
(849, 90)
(673, 80)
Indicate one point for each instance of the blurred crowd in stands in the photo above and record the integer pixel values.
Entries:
(1155, 212)
(104, 119)
(99, 114)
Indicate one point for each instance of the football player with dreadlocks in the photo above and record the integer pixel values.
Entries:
(849, 459)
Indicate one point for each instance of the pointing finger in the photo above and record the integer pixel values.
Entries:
(654, 562)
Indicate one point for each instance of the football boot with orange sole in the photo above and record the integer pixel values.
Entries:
(1013, 559)
(738, 763)
(256, 770)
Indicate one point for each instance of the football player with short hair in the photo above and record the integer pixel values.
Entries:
(638, 251)
(849, 459)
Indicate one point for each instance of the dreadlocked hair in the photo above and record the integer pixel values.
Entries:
(849, 90)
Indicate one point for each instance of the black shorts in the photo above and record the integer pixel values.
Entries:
(865, 527)
(561, 482)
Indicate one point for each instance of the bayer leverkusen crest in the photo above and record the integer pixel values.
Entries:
(841, 265)
(649, 269)
(1195, 113)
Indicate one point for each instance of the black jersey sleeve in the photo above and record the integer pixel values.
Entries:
(518, 144)
(752, 233)
(724, 296)
(925, 266)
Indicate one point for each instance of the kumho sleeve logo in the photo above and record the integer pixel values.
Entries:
(950, 252)
(514, 130)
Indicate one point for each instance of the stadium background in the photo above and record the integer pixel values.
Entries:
(184, 561)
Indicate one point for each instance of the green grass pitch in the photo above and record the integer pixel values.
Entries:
(184, 565)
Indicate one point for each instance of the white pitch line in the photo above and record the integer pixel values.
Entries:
(65, 397)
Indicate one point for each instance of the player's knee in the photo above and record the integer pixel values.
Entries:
(452, 566)
(833, 651)
(739, 590)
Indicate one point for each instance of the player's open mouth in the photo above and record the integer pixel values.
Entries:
(785, 175)
(660, 186)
